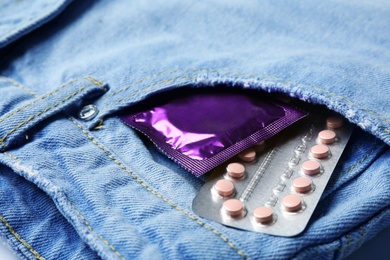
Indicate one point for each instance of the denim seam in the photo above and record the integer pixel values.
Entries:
(149, 77)
(350, 242)
(20, 239)
(361, 239)
(99, 125)
(82, 218)
(10, 155)
(257, 75)
(342, 251)
(16, 84)
(36, 100)
(92, 230)
(387, 130)
(96, 82)
(149, 86)
(356, 165)
(352, 167)
(311, 86)
(357, 243)
(2, 140)
(173, 205)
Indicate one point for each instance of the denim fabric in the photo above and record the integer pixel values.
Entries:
(99, 179)
(17, 18)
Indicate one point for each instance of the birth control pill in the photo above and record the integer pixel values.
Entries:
(263, 214)
(311, 167)
(248, 155)
(334, 122)
(259, 147)
(224, 188)
(320, 151)
(327, 136)
(302, 184)
(292, 202)
(235, 170)
(233, 207)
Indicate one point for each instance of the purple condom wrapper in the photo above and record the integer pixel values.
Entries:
(202, 130)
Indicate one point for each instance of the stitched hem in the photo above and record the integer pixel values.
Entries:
(112, 248)
(14, 112)
(312, 251)
(20, 239)
(86, 223)
(47, 109)
(243, 74)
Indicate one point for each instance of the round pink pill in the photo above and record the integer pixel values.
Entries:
(292, 202)
(302, 184)
(311, 167)
(327, 136)
(235, 170)
(223, 187)
(334, 122)
(233, 207)
(320, 151)
(248, 155)
(263, 214)
(259, 147)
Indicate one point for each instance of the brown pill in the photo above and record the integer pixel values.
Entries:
(292, 202)
(233, 207)
(320, 151)
(263, 214)
(302, 184)
(261, 143)
(248, 155)
(327, 136)
(311, 167)
(334, 122)
(223, 187)
(259, 147)
(235, 170)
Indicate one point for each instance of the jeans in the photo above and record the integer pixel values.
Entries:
(86, 189)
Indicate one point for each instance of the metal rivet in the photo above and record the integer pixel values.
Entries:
(88, 112)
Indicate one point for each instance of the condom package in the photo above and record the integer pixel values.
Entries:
(200, 129)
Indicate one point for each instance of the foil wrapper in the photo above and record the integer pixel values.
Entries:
(205, 128)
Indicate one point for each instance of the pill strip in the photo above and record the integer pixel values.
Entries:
(275, 186)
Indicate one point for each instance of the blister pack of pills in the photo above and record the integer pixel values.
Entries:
(274, 186)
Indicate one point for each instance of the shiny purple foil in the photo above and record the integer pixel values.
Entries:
(202, 130)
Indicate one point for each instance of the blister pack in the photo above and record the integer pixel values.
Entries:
(274, 186)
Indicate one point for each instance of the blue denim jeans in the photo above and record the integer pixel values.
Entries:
(77, 189)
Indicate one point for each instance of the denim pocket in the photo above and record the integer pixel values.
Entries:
(136, 90)
(127, 200)
(176, 188)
